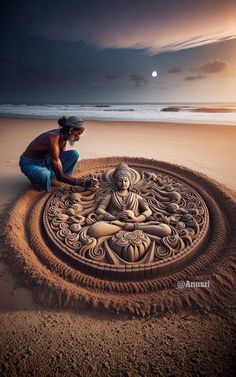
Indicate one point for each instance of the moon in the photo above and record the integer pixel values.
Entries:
(154, 74)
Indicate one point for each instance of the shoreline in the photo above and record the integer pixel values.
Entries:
(95, 119)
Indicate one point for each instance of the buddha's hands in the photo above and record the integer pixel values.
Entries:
(127, 215)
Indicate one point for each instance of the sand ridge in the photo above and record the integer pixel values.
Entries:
(57, 284)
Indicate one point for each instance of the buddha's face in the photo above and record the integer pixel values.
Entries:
(123, 183)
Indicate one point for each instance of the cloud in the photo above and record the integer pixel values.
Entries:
(214, 67)
(138, 80)
(175, 70)
(162, 26)
(111, 77)
(192, 78)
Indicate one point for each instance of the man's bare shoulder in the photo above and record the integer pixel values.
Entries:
(51, 134)
(48, 137)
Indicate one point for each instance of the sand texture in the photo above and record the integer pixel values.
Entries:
(58, 284)
(185, 332)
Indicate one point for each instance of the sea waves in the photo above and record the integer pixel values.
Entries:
(177, 113)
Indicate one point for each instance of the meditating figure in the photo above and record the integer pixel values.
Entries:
(124, 209)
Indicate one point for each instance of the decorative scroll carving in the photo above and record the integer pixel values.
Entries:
(135, 217)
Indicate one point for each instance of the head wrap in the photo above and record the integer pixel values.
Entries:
(72, 121)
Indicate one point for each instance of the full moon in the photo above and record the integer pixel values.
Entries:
(154, 74)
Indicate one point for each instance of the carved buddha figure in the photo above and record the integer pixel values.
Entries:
(124, 209)
(135, 217)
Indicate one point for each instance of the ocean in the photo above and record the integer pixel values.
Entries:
(211, 113)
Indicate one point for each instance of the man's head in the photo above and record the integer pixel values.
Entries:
(72, 128)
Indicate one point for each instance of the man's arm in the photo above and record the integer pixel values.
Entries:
(57, 165)
(102, 208)
(63, 148)
(54, 151)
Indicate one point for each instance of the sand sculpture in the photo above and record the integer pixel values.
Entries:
(138, 223)
(125, 246)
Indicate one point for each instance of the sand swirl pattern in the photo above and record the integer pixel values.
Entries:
(172, 203)
(68, 280)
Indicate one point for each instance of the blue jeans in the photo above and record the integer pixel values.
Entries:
(40, 172)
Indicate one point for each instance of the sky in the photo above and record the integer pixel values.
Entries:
(86, 51)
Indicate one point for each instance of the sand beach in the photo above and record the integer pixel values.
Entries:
(44, 341)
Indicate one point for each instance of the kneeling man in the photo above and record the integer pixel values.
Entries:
(46, 158)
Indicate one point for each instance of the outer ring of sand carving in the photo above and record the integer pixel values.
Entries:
(132, 271)
(57, 284)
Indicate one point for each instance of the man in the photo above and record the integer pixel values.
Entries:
(46, 158)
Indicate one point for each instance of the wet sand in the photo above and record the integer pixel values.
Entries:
(38, 341)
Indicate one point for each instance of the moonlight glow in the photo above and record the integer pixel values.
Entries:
(154, 74)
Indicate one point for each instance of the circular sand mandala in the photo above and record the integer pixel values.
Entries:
(166, 225)
(128, 245)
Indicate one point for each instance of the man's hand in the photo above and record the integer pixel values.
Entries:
(88, 183)
(94, 182)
